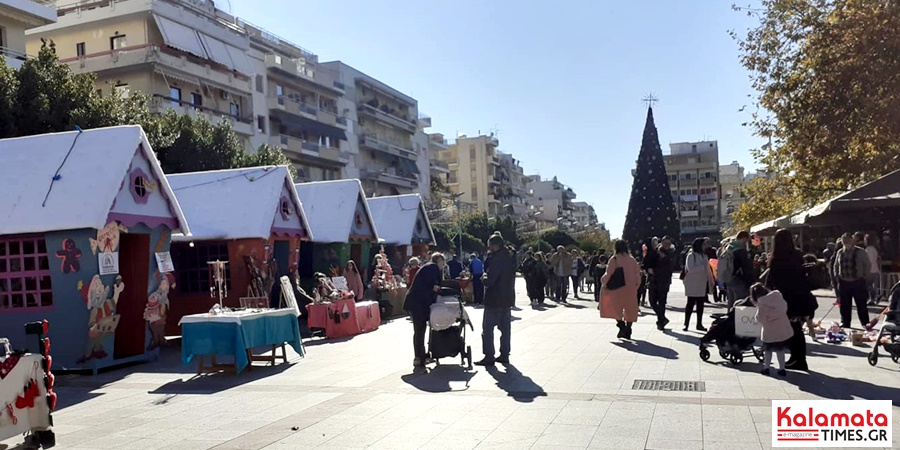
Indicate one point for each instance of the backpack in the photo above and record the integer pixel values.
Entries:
(725, 268)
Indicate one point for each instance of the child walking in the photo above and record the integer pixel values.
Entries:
(771, 313)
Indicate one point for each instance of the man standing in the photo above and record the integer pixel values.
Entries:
(499, 298)
(736, 259)
(419, 298)
(561, 263)
(662, 265)
(455, 267)
(874, 281)
(477, 269)
(851, 268)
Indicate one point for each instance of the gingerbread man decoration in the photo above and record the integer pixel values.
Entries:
(69, 254)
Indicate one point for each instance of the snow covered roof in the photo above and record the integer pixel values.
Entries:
(235, 203)
(67, 181)
(396, 216)
(332, 208)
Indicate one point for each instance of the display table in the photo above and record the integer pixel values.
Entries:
(29, 409)
(236, 334)
(344, 317)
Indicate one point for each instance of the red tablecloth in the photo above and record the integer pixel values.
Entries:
(368, 316)
(338, 318)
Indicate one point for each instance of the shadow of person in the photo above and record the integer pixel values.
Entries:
(439, 379)
(516, 385)
(834, 388)
(647, 348)
(686, 338)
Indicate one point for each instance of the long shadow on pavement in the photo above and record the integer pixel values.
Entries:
(647, 348)
(439, 379)
(834, 388)
(516, 385)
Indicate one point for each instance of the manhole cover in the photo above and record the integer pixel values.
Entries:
(666, 385)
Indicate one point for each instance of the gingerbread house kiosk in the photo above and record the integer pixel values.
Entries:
(85, 223)
(249, 220)
(402, 222)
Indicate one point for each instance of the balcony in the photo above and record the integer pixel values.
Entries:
(241, 125)
(689, 198)
(495, 160)
(708, 181)
(369, 141)
(438, 143)
(14, 58)
(391, 176)
(291, 106)
(712, 196)
(299, 147)
(438, 166)
(693, 213)
(569, 194)
(385, 114)
(707, 228)
(185, 66)
(302, 69)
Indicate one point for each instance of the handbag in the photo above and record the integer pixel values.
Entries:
(616, 280)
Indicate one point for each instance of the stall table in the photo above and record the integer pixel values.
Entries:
(344, 317)
(236, 334)
(32, 413)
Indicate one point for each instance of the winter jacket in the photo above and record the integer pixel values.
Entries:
(421, 293)
(567, 261)
(663, 264)
(788, 277)
(698, 275)
(771, 313)
(500, 280)
(743, 263)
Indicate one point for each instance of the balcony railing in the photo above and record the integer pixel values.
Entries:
(367, 140)
(303, 147)
(386, 114)
(712, 196)
(708, 181)
(14, 58)
(692, 213)
(391, 175)
(299, 108)
(439, 166)
(241, 125)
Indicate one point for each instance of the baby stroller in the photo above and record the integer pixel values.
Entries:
(447, 327)
(889, 337)
(731, 346)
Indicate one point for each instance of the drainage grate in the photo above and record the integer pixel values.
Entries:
(666, 385)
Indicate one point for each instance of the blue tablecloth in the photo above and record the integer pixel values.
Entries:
(215, 338)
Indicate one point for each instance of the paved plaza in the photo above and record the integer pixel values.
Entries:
(569, 386)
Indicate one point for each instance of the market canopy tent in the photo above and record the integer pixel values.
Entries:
(401, 219)
(769, 228)
(255, 202)
(876, 200)
(338, 211)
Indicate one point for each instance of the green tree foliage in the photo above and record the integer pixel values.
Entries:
(826, 74)
(556, 238)
(539, 245)
(591, 242)
(44, 96)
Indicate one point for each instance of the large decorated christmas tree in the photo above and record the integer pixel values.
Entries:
(651, 209)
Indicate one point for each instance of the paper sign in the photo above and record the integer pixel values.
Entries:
(340, 283)
(109, 263)
(287, 295)
(164, 262)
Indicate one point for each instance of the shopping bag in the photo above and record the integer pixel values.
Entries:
(609, 309)
(745, 324)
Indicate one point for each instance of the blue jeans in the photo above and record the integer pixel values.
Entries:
(736, 290)
(500, 317)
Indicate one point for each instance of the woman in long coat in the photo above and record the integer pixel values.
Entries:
(621, 303)
(786, 274)
(698, 281)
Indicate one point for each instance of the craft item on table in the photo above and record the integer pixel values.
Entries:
(103, 318)
(26, 400)
(69, 254)
(870, 336)
(8, 364)
(835, 334)
(218, 280)
(325, 290)
(384, 279)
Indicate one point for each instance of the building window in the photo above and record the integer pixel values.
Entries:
(139, 183)
(123, 90)
(285, 208)
(24, 274)
(235, 110)
(472, 152)
(117, 42)
(175, 96)
(261, 124)
(259, 83)
(79, 49)
(279, 90)
(196, 99)
(192, 268)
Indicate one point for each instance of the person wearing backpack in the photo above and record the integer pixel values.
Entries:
(735, 269)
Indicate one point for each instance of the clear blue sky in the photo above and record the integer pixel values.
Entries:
(562, 81)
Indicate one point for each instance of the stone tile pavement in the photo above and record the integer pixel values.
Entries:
(569, 386)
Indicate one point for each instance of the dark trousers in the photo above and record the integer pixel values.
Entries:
(575, 284)
(850, 291)
(501, 318)
(420, 325)
(658, 295)
(478, 289)
(693, 302)
(797, 343)
(597, 289)
(562, 287)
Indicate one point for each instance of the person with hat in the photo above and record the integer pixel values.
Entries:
(421, 295)
(499, 297)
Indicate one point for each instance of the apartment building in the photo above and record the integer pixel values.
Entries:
(186, 54)
(438, 169)
(583, 216)
(473, 164)
(731, 184)
(382, 129)
(422, 147)
(693, 170)
(551, 201)
(295, 103)
(512, 190)
(17, 16)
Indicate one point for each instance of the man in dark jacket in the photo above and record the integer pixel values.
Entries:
(419, 298)
(660, 264)
(744, 276)
(499, 298)
(456, 267)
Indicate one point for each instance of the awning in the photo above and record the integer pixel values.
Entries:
(241, 61)
(181, 37)
(226, 55)
(171, 76)
(313, 126)
(409, 166)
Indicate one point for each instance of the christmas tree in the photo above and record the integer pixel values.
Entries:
(651, 209)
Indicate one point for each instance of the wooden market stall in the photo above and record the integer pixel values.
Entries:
(251, 220)
(85, 225)
(402, 222)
